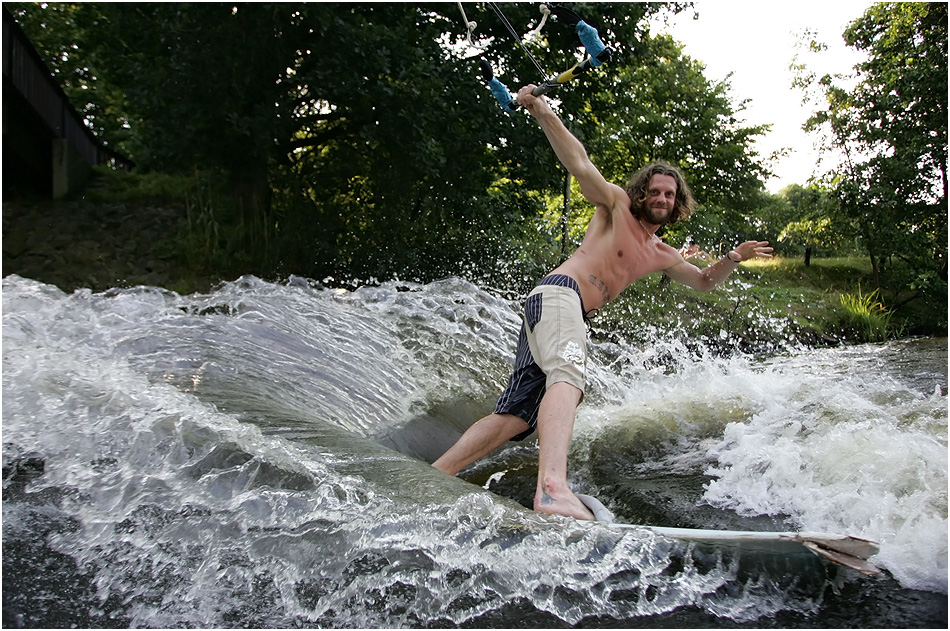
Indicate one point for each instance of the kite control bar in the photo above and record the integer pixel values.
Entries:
(597, 52)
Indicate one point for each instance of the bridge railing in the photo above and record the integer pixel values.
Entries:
(26, 72)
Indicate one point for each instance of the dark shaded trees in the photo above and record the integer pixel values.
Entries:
(355, 139)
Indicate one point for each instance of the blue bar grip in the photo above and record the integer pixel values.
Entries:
(591, 41)
(503, 94)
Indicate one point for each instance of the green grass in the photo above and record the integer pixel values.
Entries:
(868, 315)
(111, 186)
(811, 296)
(828, 274)
(766, 303)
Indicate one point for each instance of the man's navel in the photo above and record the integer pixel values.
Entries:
(620, 253)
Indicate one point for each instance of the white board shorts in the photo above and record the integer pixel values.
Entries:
(552, 348)
(557, 335)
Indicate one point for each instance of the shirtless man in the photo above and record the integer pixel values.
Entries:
(620, 246)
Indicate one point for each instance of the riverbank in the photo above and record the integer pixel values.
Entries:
(93, 244)
(97, 245)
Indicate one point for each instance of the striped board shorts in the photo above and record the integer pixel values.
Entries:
(552, 347)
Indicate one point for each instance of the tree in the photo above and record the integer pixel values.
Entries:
(812, 226)
(353, 114)
(357, 140)
(893, 127)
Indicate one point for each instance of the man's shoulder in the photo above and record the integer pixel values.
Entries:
(618, 204)
(619, 195)
(670, 255)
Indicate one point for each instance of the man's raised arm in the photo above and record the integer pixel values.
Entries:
(570, 151)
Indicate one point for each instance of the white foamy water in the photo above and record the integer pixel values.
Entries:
(842, 440)
(231, 459)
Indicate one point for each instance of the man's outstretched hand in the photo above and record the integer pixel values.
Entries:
(753, 250)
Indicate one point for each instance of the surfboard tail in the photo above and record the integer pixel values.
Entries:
(841, 558)
(843, 544)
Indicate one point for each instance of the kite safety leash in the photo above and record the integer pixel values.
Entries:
(469, 27)
(535, 33)
(597, 53)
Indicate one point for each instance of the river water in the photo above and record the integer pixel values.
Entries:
(257, 457)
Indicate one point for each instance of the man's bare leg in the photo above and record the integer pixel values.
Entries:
(555, 427)
(479, 440)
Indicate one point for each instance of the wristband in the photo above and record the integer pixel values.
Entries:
(732, 259)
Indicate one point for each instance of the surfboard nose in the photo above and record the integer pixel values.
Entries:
(600, 511)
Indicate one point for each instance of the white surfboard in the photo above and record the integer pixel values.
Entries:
(845, 550)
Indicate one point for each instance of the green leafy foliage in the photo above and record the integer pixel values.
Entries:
(891, 193)
(355, 140)
(812, 221)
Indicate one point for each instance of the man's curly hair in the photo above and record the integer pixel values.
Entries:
(683, 206)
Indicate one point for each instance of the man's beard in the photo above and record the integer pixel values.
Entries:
(657, 216)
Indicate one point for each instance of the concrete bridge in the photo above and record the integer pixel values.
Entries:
(47, 149)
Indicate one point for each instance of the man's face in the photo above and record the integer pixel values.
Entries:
(661, 197)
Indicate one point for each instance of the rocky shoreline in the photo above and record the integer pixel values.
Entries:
(80, 244)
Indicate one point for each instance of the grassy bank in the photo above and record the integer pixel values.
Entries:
(768, 304)
(148, 230)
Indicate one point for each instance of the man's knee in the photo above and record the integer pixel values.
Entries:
(563, 393)
(506, 425)
(479, 440)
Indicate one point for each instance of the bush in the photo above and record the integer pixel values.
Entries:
(867, 316)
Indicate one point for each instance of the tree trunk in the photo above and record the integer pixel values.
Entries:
(807, 256)
(876, 270)
(251, 189)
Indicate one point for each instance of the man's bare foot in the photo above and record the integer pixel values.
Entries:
(561, 501)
